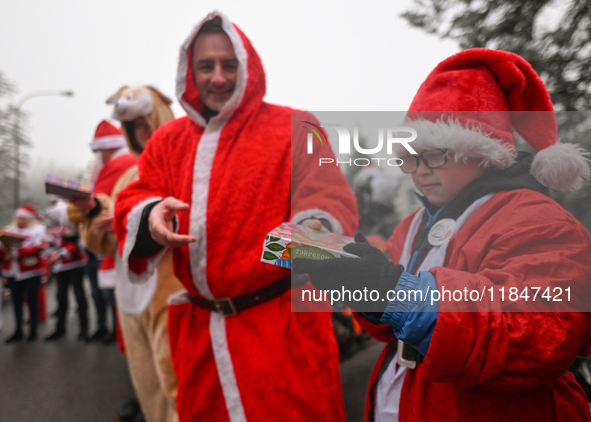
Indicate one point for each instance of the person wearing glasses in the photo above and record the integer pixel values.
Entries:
(489, 234)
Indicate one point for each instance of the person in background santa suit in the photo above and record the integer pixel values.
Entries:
(222, 175)
(110, 143)
(67, 261)
(488, 230)
(142, 308)
(23, 266)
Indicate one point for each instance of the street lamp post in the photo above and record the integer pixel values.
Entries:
(17, 136)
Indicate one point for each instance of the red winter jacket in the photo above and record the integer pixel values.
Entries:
(72, 255)
(500, 365)
(28, 254)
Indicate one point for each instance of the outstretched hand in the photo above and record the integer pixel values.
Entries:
(371, 271)
(161, 227)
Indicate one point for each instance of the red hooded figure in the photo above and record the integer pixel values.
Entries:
(230, 160)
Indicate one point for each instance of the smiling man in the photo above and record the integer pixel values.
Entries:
(215, 68)
(212, 185)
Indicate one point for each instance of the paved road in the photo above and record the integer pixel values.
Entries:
(71, 381)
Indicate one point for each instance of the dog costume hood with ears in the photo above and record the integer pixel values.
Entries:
(471, 103)
(141, 101)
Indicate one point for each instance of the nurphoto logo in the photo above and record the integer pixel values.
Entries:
(395, 135)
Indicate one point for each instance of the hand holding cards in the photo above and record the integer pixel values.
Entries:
(67, 188)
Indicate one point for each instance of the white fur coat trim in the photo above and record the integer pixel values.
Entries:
(241, 81)
(133, 226)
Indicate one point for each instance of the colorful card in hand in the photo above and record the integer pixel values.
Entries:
(289, 241)
(8, 238)
(67, 188)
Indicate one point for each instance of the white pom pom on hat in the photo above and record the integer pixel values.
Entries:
(471, 103)
(561, 166)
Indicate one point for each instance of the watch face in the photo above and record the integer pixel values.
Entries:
(441, 231)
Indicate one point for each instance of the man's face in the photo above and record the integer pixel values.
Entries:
(22, 222)
(215, 69)
(443, 184)
(142, 130)
(106, 154)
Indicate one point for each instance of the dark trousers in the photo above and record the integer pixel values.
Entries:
(109, 297)
(75, 278)
(92, 267)
(31, 286)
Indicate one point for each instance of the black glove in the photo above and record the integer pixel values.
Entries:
(371, 271)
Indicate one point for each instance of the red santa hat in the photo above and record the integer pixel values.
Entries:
(470, 103)
(27, 211)
(107, 136)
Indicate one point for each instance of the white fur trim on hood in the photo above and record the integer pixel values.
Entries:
(241, 80)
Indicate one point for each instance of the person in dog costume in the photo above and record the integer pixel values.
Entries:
(142, 308)
(222, 176)
(487, 225)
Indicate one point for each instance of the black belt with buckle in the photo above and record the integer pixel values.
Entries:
(231, 306)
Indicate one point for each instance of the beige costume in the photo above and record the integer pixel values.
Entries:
(142, 309)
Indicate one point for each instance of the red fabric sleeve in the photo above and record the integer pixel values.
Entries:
(111, 172)
(153, 182)
(501, 347)
(28, 251)
(319, 187)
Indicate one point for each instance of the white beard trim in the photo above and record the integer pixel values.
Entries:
(462, 142)
(561, 166)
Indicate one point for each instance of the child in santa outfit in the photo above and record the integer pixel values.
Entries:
(110, 143)
(487, 225)
(23, 266)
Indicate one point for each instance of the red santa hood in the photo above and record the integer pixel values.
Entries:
(250, 83)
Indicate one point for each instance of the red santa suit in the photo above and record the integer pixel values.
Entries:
(235, 172)
(491, 366)
(71, 255)
(24, 265)
(108, 136)
(26, 260)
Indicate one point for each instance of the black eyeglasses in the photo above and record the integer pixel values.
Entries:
(433, 159)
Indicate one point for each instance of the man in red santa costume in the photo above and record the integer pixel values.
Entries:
(23, 266)
(212, 185)
(110, 143)
(487, 226)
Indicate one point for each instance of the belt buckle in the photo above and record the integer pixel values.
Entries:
(225, 306)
